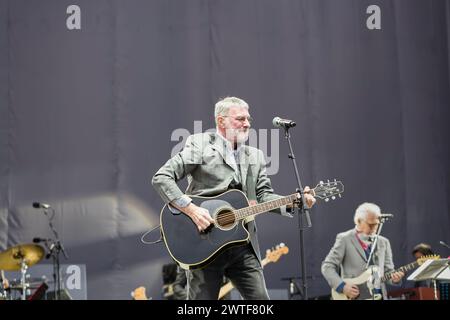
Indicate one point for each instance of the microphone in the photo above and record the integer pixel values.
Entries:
(39, 205)
(37, 240)
(386, 215)
(283, 123)
(444, 244)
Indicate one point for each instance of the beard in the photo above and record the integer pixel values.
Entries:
(237, 135)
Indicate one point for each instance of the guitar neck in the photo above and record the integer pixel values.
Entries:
(264, 207)
(264, 262)
(388, 276)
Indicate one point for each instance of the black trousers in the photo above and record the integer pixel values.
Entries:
(240, 265)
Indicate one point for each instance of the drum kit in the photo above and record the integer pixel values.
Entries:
(23, 256)
(19, 258)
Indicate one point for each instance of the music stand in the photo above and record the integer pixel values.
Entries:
(432, 270)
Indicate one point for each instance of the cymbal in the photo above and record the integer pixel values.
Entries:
(11, 258)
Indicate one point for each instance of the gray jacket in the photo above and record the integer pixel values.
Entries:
(347, 259)
(205, 163)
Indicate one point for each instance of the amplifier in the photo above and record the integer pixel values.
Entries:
(421, 293)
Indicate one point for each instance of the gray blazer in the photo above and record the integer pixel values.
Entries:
(205, 162)
(347, 259)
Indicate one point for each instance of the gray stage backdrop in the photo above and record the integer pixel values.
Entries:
(88, 115)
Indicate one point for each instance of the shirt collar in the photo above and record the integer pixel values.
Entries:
(228, 143)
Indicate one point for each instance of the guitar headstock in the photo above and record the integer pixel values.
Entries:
(421, 260)
(329, 190)
(139, 294)
(273, 255)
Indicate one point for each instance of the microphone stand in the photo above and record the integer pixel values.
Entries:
(302, 212)
(54, 250)
(374, 244)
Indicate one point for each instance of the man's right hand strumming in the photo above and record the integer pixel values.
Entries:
(351, 291)
(199, 215)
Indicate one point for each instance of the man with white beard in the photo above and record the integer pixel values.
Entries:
(214, 163)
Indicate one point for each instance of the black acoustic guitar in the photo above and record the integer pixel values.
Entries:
(230, 210)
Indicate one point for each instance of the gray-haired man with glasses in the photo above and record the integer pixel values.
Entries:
(214, 163)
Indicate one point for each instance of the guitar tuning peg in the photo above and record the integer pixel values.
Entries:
(328, 180)
(334, 179)
(327, 199)
(333, 197)
(321, 182)
(339, 195)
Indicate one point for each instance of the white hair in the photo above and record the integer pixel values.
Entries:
(363, 211)
(223, 105)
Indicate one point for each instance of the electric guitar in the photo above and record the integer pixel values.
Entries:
(271, 256)
(230, 211)
(371, 277)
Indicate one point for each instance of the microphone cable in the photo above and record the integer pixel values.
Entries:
(147, 232)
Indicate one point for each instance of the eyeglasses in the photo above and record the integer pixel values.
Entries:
(372, 224)
(241, 119)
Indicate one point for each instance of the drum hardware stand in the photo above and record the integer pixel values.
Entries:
(55, 248)
(23, 271)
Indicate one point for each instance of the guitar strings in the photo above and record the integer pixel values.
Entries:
(232, 216)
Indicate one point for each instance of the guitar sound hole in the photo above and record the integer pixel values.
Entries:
(226, 219)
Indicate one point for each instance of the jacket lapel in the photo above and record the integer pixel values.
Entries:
(218, 144)
(356, 243)
(244, 159)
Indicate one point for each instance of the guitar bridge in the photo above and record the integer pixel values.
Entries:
(207, 230)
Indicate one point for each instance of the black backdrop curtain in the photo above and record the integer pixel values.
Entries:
(87, 116)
